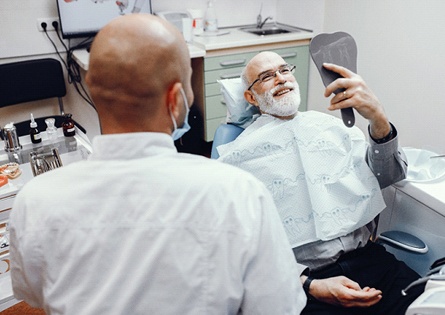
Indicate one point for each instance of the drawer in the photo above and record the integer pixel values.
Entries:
(229, 61)
(212, 89)
(290, 55)
(214, 75)
(211, 125)
(215, 107)
(6, 206)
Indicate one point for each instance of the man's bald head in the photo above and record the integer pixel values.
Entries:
(134, 60)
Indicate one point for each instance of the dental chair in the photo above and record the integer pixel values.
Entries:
(393, 240)
(225, 133)
(33, 80)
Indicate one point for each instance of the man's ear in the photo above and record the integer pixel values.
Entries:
(250, 98)
(174, 99)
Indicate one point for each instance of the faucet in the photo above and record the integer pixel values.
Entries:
(261, 24)
(259, 20)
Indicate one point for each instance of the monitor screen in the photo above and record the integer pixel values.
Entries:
(83, 18)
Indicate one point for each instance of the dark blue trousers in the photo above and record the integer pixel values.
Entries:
(374, 267)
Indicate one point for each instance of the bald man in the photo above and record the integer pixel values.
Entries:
(140, 228)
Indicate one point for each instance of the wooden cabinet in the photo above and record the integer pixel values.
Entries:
(229, 65)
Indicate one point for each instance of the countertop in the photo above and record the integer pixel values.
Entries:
(430, 193)
(82, 56)
(224, 38)
(80, 145)
(234, 37)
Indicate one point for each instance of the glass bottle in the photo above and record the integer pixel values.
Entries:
(51, 129)
(34, 132)
(68, 126)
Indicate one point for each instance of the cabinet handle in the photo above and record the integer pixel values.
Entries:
(223, 102)
(289, 55)
(230, 76)
(232, 62)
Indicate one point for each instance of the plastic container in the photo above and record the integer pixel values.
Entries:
(197, 21)
(211, 21)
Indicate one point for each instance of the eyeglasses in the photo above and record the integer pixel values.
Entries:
(284, 70)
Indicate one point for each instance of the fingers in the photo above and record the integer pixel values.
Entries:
(362, 298)
(341, 100)
(355, 296)
(344, 72)
(343, 83)
(343, 291)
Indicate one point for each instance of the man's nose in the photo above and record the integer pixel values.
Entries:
(279, 78)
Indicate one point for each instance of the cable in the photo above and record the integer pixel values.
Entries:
(72, 68)
(56, 27)
(44, 26)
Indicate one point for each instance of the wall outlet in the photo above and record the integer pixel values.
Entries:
(49, 23)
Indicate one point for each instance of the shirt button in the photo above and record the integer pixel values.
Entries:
(377, 151)
(378, 174)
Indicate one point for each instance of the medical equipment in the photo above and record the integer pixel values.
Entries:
(86, 18)
(431, 302)
(175, 17)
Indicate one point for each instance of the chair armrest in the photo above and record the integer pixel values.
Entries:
(403, 240)
(225, 133)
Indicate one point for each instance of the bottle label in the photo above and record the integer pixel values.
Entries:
(37, 136)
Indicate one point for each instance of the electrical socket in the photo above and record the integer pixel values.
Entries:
(49, 23)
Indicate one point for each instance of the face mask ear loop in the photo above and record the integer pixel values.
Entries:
(175, 126)
(180, 131)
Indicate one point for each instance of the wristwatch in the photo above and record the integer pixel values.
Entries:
(307, 284)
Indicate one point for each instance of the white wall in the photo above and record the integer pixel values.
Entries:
(401, 55)
(19, 40)
(401, 49)
(229, 12)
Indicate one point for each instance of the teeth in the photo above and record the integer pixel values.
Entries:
(282, 92)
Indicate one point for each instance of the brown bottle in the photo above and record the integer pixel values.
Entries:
(68, 126)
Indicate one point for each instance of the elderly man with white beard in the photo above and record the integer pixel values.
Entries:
(326, 180)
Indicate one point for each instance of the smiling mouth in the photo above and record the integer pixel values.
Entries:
(282, 92)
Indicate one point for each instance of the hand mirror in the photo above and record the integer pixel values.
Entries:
(340, 49)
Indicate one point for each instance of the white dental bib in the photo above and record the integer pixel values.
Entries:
(315, 169)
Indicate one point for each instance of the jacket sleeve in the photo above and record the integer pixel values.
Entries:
(387, 161)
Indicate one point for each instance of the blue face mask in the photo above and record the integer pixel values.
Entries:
(179, 132)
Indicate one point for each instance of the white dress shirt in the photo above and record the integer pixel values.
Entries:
(142, 229)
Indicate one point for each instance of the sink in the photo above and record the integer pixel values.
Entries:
(270, 29)
(424, 165)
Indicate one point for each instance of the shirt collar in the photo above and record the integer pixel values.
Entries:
(131, 145)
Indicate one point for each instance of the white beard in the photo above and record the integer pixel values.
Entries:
(286, 106)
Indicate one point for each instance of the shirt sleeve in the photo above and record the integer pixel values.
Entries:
(272, 282)
(387, 161)
(25, 262)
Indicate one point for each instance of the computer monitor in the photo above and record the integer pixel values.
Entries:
(84, 18)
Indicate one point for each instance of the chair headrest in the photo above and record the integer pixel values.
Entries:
(240, 112)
